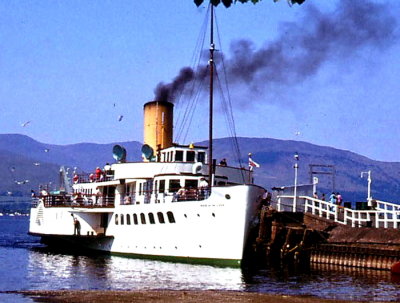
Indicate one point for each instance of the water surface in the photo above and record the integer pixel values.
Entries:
(27, 265)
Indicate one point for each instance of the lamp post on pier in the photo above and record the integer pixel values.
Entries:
(296, 167)
(369, 198)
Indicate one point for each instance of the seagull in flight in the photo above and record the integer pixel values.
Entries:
(46, 150)
(25, 123)
(21, 182)
(36, 163)
(120, 117)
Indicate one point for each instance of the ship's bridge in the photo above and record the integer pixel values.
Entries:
(183, 153)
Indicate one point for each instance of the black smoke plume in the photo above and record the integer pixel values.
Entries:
(166, 92)
(303, 46)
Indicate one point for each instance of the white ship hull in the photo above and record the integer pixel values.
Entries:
(214, 230)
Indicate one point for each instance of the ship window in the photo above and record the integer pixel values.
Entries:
(161, 189)
(190, 184)
(151, 218)
(128, 219)
(142, 218)
(179, 155)
(201, 157)
(122, 219)
(135, 220)
(171, 217)
(116, 219)
(160, 217)
(190, 156)
(174, 185)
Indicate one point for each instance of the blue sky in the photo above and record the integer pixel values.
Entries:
(64, 64)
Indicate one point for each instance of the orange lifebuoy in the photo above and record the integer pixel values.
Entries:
(395, 269)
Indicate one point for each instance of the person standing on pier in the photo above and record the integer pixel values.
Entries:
(332, 199)
(339, 199)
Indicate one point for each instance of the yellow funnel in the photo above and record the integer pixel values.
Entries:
(158, 124)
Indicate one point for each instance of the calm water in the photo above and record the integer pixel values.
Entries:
(27, 265)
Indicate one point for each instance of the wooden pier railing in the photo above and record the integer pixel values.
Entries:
(379, 214)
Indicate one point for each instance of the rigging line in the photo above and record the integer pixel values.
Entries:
(236, 143)
(182, 116)
(189, 108)
(233, 140)
(198, 94)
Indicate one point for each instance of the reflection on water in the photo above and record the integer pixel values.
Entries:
(328, 282)
(112, 272)
(48, 270)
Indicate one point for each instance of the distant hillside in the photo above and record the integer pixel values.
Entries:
(86, 156)
(16, 169)
(274, 156)
(276, 160)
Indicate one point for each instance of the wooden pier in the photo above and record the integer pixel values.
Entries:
(317, 232)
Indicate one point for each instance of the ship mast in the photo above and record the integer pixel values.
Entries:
(210, 125)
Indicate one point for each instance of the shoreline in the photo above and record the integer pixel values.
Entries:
(166, 296)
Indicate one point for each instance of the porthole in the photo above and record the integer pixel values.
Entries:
(142, 218)
(151, 218)
(185, 215)
(171, 217)
(160, 217)
(227, 196)
(213, 214)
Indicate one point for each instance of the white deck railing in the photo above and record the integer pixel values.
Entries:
(382, 214)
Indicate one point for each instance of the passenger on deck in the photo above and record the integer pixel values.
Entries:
(127, 200)
(203, 183)
(107, 171)
(78, 199)
(181, 194)
(203, 187)
(98, 173)
(98, 196)
(107, 168)
(223, 162)
(92, 178)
